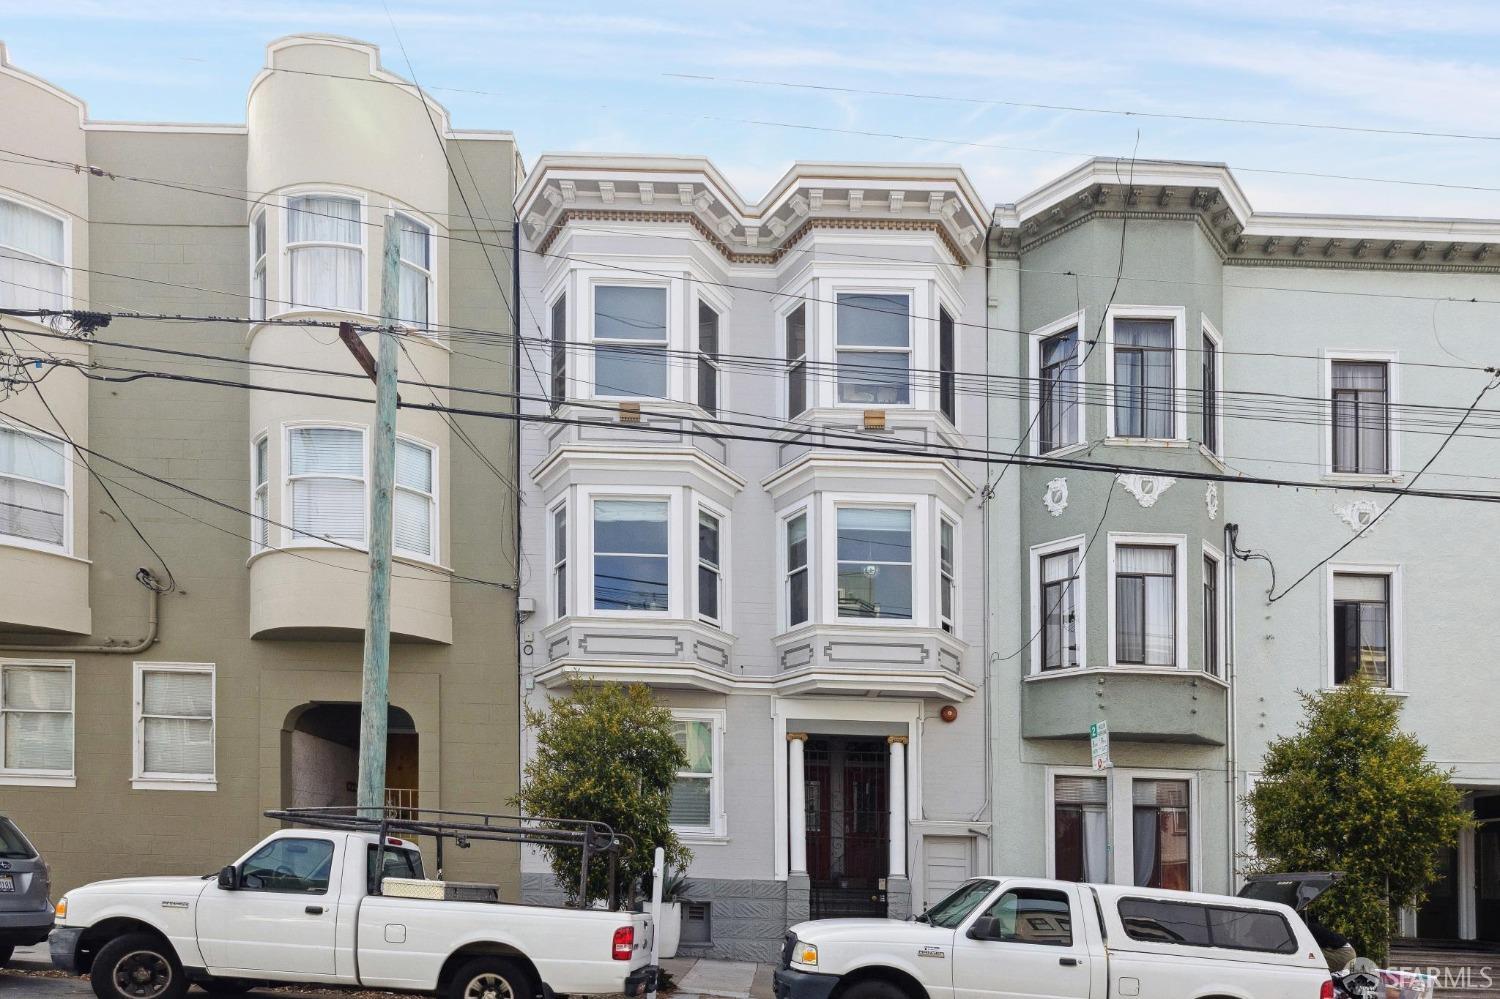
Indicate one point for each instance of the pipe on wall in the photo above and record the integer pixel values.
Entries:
(115, 646)
(1231, 540)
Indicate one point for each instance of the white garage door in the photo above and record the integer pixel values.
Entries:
(947, 865)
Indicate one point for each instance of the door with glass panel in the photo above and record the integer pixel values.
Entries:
(1080, 829)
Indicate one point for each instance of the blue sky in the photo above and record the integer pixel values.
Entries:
(590, 76)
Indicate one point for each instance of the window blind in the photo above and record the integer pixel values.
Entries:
(33, 502)
(38, 281)
(416, 265)
(1080, 791)
(177, 722)
(36, 712)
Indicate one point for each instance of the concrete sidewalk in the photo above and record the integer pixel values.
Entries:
(33, 958)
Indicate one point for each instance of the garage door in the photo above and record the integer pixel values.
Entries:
(947, 865)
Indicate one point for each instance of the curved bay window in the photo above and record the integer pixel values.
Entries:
(326, 252)
(33, 490)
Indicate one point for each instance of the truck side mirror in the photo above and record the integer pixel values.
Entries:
(229, 878)
(985, 928)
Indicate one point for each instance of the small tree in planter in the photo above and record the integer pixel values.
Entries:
(606, 753)
(1351, 792)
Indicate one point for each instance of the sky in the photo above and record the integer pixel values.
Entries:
(586, 76)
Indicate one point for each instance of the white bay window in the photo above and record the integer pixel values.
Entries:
(326, 252)
(872, 335)
(34, 491)
(174, 724)
(326, 484)
(415, 500)
(258, 265)
(875, 562)
(260, 494)
(1148, 601)
(632, 559)
(415, 241)
(33, 246)
(630, 341)
(36, 720)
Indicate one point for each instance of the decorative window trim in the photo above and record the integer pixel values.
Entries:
(26, 201)
(702, 505)
(1079, 544)
(285, 303)
(915, 354)
(1211, 332)
(1074, 321)
(783, 568)
(1178, 316)
(43, 778)
(718, 821)
(1393, 571)
(584, 530)
(1181, 617)
(435, 499)
(141, 780)
(290, 536)
(923, 558)
(1212, 554)
(1392, 361)
(675, 376)
(68, 458)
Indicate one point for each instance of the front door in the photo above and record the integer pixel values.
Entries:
(1035, 948)
(1487, 881)
(280, 921)
(848, 826)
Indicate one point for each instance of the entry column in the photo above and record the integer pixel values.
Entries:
(897, 796)
(797, 802)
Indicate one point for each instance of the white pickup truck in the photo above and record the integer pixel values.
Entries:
(1024, 938)
(301, 906)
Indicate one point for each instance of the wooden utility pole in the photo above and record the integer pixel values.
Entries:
(375, 696)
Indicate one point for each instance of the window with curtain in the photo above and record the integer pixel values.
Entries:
(559, 351)
(1144, 378)
(710, 575)
(1145, 605)
(796, 361)
(1060, 598)
(258, 265)
(33, 489)
(560, 562)
(1080, 829)
(32, 272)
(708, 359)
(326, 252)
(327, 484)
(947, 578)
(414, 510)
(1057, 370)
(631, 564)
(1362, 627)
(415, 242)
(873, 342)
(1210, 394)
(796, 570)
(1161, 828)
(947, 373)
(692, 792)
(36, 719)
(630, 341)
(1211, 624)
(260, 499)
(1361, 419)
(874, 563)
(175, 723)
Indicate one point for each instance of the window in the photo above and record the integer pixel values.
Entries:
(874, 562)
(326, 250)
(1060, 596)
(1361, 420)
(258, 265)
(327, 483)
(1145, 605)
(693, 791)
(796, 570)
(948, 584)
(260, 496)
(395, 862)
(1144, 378)
(559, 351)
(174, 723)
(1057, 417)
(710, 580)
(415, 500)
(33, 490)
(708, 359)
(1032, 916)
(415, 242)
(1164, 921)
(290, 864)
(630, 555)
(1210, 394)
(1362, 627)
(1212, 648)
(1080, 829)
(947, 375)
(954, 909)
(630, 341)
(560, 562)
(796, 361)
(36, 719)
(32, 245)
(873, 334)
(1160, 827)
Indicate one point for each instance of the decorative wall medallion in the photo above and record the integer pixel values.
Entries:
(1146, 489)
(1055, 499)
(1358, 514)
(1211, 500)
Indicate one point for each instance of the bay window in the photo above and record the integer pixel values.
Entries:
(630, 341)
(34, 490)
(1212, 626)
(874, 562)
(1080, 829)
(32, 265)
(947, 373)
(710, 575)
(873, 345)
(414, 503)
(1059, 597)
(174, 722)
(415, 242)
(560, 562)
(708, 359)
(631, 557)
(559, 345)
(796, 584)
(796, 361)
(1057, 416)
(260, 494)
(1210, 393)
(1361, 417)
(326, 484)
(36, 719)
(326, 252)
(695, 792)
(1362, 627)
(947, 576)
(1161, 834)
(1144, 379)
(1145, 582)
(258, 265)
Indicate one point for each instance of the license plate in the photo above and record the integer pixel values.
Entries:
(7, 882)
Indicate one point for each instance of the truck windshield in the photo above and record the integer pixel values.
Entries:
(952, 910)
(12, 843)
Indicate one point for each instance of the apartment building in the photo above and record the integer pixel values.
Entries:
(156, 700)
(1163, 324)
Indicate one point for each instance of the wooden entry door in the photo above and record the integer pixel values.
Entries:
(402, 769)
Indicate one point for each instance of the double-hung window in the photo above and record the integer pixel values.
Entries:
(710, 569)
(1362, 627)
(32, 246)
(947, 360)
(796, 570)
(1060, 596)
(1057, 372)
(1145, 605)
(260, 496)
(947, 575)
(693, 792)
(36, 719)
(560, 562)
(1210, 394)
(1144, 382)
(33, 490)
(258, 265)
(708, 359)
(873, 342)
(1211, 623)
(1080, 829)
(796, 361)
(559, 346)
(630, 341)
(1361, 417)
(875, 562)
(631, 563)
(416, 271)
(174, 722)
(326, 251)
(415, 500)
(326, 480)
(1161, 828)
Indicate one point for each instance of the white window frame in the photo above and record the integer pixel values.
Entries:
(260, 493)
(43, 778)
(434, 498)
(942, 305)
(558, 348)
(701, 505)
(284, 267)
(1180, 569)
(1392, 361)
(1120, 818)
(809, 380)
(784, 570)
(911, 294)
(948, 623)
(16, 197)
(558, 550)
(260, 264)
(430, 271)
(1049, 824)
(923, 557)
(584, 530)
(1076, 543)
(290, 537)
(1075, 322)
(674, 373)
(1211, 332)
(717, 829)
(1178, 317)
(15, 540)
(1393, 571)
(141, 779)
(702, 296)
(1213, 554)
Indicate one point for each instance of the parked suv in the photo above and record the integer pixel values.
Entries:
(25, 908)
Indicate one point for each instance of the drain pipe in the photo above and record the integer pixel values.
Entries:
(115, 646)
(1231, 542)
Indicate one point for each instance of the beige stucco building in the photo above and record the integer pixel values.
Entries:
(148, 719)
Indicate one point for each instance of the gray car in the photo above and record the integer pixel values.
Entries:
(25, 890)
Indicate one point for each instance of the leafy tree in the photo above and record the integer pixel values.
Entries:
(1351, 792)
(606, 753)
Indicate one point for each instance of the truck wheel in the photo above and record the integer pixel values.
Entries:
(874, 988)
(5, 952)
(225, 986)
(491, 978)
(137, 966)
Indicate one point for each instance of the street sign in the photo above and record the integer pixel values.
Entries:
(1099, 745)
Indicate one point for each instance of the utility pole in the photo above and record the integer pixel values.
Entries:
(375, 695)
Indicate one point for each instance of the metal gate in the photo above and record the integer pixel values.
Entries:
(848, 826)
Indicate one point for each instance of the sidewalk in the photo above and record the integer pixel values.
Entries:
(33, 958)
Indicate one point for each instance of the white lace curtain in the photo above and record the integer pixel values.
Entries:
(326, 251)
(31, 259)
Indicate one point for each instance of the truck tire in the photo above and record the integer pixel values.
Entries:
(137, 966)
(6, 950)
(225, 986)
(874, 988)
(491, 978)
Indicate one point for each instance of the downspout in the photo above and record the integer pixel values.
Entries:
(1231, 541)
(515, 445)
(115, 646)
(985, 499)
